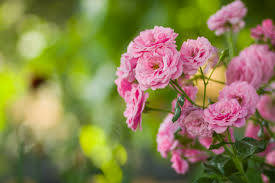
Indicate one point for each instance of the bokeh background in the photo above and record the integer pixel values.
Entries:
(61, 119)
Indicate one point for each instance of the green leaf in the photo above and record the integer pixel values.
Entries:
(249, 146)
(177, 113)
(253, 174)
(269, 171)
(224, 54)
(181, 100)
(206, 180)
(216, 146)
(236, 177)
(221, 165)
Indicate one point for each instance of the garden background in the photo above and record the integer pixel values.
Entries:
(61, 119)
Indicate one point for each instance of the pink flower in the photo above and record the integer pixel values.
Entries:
(252, 130)
(123, 86)
(149, 40)
(207, 142)
(270, 158)
(127, 67)
(196, 53)
(254, 65)
(265, 178)
(225, 113)
(264, 32)
(156, 68)
(244, 93)
(227, 18)
(266, 107)
(194, 155)
(195, 124)
(135, 103)
(165, 137)
(178, 162)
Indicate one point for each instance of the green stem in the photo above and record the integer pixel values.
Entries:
(229, 39)
(158, 109)
(183, 92)
(204, 89)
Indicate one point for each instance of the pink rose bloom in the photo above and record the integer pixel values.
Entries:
(127, 67)
(266, 107)
(244, 93)
(264, 32)
(270, 158)
(195, 124)
(207, 142)
(252, 130)
(196, 53)
(227, 18)
(254, 65)
(225, 113)
(123, 86)
(194, 155)
(265, 178)
(165, 137)
(156, 68)
(151, 39)
(178, 162)
(135, 103)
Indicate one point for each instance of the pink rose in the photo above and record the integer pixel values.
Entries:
(264, 32)
(252, 130)
(149, 40)
(225, 113)
(155, 69)
(135, 103)
(196, 53)
(265, 178)
(195, 124)
(270, 158)
(244, 93)
(123, 86)
(227, 18)
(165, 138)
(266, 107)
(178, 162)
(127, 67)
(254, 65)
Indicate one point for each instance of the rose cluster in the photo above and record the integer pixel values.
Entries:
(152, 61)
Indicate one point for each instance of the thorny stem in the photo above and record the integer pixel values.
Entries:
(177, 87)
(204, 89)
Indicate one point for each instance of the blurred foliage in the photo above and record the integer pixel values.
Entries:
(61, 119)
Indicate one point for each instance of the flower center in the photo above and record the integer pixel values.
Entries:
(155, 66)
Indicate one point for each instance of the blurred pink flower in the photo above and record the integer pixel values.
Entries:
(225, 113)
(266, 107)
(264, 32)
(135, 103)
(196, 53)
(270, 158)
(156, 68)
(178, 162)
(227, 18)
(194, 155)
(244, 93)
(151, 39)
(254, 64)
(165, 137)
(252, 130)
(195, 125)
(265, 178)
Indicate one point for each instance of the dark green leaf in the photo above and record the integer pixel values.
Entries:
(216, 146)
(181, 100)
(177, 114)
(236, 177)
(249, 146)
(269, 171)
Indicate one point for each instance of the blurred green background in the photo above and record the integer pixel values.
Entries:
(61, 119)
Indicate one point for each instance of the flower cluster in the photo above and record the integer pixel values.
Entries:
(191, 132)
